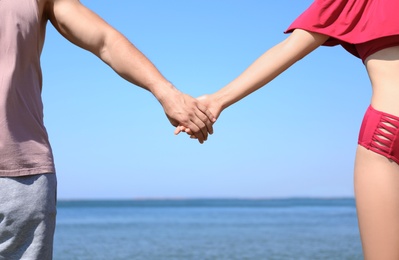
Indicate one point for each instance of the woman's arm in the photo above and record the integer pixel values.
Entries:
(268, 66)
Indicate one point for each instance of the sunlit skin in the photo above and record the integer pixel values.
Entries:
(87, 30)
(376, 177)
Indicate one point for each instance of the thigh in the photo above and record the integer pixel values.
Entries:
(377, 201)
(27, 217)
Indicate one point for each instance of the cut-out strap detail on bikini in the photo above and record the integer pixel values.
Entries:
(385, 133)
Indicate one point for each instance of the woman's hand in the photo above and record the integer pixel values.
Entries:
(211, 103)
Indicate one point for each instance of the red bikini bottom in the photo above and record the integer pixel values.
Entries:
(380, 133)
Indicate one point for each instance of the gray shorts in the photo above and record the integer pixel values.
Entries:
(27, 217)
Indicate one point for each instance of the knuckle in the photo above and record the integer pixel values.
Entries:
(204, 118)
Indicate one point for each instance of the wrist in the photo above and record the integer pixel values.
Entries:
(163, 91)
(220, 99)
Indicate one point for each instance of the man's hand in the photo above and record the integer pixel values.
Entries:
(185, 111)
(213, 106)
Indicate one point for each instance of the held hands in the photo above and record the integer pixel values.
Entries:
(211, 104)
(184, 111)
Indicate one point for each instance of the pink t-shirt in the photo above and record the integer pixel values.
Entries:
(24, 145)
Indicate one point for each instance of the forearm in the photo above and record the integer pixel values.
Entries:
(258, 74)
(125, 59)
(268, 66)
(132, 65)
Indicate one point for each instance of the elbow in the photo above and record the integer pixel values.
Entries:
(300, 43)
(294, 50)
(290, 52)
(106, 46)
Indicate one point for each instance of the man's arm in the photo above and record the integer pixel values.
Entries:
(87, 30)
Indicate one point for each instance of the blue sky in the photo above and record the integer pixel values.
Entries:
(295, 137)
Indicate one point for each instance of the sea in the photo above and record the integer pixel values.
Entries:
(201, 229)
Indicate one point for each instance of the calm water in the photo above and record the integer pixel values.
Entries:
(207, 229)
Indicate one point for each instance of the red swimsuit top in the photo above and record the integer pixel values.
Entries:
(360, 26)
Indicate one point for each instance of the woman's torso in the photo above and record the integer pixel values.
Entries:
(383, 70)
